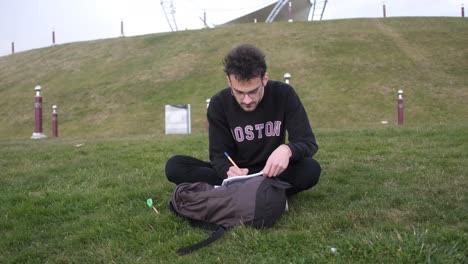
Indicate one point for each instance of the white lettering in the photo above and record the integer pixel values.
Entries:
(277, 128)
(249, 135)
(239, 134)
(259, 128)
(269, 129)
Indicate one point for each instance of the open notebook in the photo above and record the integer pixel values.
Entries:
(237, 178)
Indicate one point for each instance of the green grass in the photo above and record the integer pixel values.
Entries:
(388, 194)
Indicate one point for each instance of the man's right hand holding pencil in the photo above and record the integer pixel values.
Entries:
(235, 170)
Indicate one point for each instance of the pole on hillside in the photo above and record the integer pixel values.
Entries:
(287, 77)
(122, 28)
(384, 10)
(463, 11)
(13, 48)
(290, 12)
(54, 121)
(53, 37)
(204, 19)
(38, 115)
(400, 108)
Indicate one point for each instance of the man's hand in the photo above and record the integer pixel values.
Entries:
(233, 171)
(278, 161)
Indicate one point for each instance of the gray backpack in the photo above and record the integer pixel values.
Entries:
(258, 202)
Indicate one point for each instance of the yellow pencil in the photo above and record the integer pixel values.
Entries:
(229, 158)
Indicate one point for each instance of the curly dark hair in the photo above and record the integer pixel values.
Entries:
(245, 62)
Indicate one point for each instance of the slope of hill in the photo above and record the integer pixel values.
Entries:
(347, 73)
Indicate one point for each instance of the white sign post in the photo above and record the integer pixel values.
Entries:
(178, 119)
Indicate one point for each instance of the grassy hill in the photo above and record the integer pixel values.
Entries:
(347, 72)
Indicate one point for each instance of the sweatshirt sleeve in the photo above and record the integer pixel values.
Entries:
(220, 137)
(301, 139)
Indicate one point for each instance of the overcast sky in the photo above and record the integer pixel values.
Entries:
(29, 23)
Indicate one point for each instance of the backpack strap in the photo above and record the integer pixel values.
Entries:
(213, 237)
(217, 233)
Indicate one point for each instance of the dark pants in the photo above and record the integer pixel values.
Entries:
(302, 175)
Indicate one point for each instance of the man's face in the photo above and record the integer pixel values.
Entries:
(248, 93)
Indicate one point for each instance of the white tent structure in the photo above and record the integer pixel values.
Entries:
(286, 10)
(276, 10)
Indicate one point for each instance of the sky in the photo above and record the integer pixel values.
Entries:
(29, 23)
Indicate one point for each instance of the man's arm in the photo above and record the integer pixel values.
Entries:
(300, 136)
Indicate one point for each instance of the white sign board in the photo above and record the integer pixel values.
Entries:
(178, 119)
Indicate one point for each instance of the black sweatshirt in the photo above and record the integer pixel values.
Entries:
(250, 137)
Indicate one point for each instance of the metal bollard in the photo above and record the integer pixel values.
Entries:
(287, 77)
(54, 121)
(400, 108)
(38, 115)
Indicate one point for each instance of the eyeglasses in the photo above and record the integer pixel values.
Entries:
(252, 94)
